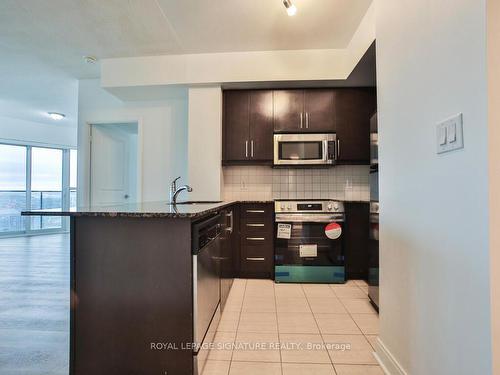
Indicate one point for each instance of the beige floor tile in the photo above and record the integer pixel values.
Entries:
(289, 290)
(260, 282)
(256, 347)
(297, 323)
(318, 290)
(259, 304)
(307, 369)
(358, 306)
(240, 282)
(233, 307)
(216, 367)
(292, 304)
(358, 370)
(255, 368)
(303, 348)
(373, 340)
(258, 322)
(349, 292)
(223, 349)
(229, 321)
(364, 289)
(337, 324)
(259, 291)
(361, 283)
(348, 283)
(350, 349)
(368, 323)
(326, 305)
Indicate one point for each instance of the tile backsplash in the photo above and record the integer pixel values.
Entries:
(266, 183)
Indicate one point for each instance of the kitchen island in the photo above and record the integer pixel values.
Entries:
(134, 291)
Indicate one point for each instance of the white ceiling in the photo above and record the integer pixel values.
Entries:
(43, 41)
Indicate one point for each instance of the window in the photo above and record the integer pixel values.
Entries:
(35, 178)
(12, 188)
(46, 186)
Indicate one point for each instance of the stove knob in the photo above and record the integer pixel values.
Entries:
(336, 206)
(329, 207)
(282, 206)
(289, 207)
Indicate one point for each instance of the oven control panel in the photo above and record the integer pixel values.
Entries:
(309, 206)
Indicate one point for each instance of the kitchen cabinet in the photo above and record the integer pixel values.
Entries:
(256, 240)
(353, 110)
(251, 116)
(304, 111)
(356, 240)
(248, 127)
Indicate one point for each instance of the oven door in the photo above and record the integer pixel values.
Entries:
(309, 255)
(304, 149)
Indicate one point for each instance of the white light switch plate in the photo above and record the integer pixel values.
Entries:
(450, 134)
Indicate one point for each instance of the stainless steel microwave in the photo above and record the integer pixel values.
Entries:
(305, 149)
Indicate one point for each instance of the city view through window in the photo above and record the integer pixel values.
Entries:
(35, 178)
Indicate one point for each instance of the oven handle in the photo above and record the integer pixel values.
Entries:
(309, 218)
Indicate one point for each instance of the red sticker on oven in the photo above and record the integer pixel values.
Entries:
(333, 231)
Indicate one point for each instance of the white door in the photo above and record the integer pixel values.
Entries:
(113, 155)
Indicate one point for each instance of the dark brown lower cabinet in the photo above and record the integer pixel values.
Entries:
(356, 240)
(256, 240)
(131, 288)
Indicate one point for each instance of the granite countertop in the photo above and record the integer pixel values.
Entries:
(161, 209)
(145, 209)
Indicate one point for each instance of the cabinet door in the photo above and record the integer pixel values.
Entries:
(288, 110)
(236, 126)
(319, 111)
(261, 125)
(353, 112)
(356, 240)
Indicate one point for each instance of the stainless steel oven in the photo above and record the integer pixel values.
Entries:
(309, 242)
(305, 149)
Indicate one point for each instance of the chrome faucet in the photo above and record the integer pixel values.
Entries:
(174, 191)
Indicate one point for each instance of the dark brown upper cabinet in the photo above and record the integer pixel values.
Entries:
(304, 111)
(354, 108)
(248, 127)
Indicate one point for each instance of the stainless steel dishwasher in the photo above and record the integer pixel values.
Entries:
(206, 286)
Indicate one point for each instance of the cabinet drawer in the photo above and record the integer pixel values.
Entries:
(253, 227)
(257, 240)
(257, 211)
(257, 260)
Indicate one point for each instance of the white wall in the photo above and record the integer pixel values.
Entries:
(435, 307)
(163, 128)
(15, 130)
(205, 143)
(493, 7)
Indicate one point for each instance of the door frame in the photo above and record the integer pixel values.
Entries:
(87, 158)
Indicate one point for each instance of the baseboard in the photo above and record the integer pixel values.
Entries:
(387, 361)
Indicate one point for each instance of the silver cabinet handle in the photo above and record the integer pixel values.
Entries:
(246, 149)
(307, 120)
(256, 259)
(255, 211)
(301, 120)
(230, 216)
(338, 148)
(251, 147)
(255, 225)
(256, 239)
